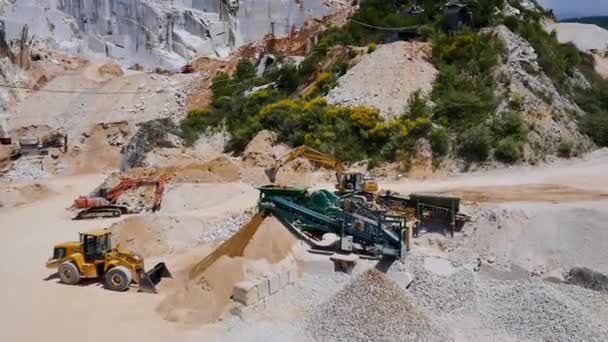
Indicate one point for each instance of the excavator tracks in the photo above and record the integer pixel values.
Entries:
(102, 212)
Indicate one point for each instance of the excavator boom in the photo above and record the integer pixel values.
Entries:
(105, 205)
(308, 153)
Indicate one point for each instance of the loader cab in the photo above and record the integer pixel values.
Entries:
(350, 182)
(95, 244)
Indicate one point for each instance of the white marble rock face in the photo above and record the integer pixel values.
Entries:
(156, 33)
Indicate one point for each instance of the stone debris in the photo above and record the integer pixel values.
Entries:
(26, 169)
(386, 78)
(373, 308)
(535, 311)
(440, 292)
(225, 229)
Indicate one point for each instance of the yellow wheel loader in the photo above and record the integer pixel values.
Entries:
(94, 258)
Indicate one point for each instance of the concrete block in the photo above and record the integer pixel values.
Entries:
(263, 288)
(292, 275)
(273, 283)
(245, 293)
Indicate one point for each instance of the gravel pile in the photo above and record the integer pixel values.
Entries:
(536, 311)
(386, 78)
(373, 308)
(225, 229)
(26, 169)
(442, 294)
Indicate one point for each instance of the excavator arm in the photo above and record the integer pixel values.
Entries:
(127, 184)
(308, 153)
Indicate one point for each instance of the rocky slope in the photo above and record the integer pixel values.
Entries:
(550, 115)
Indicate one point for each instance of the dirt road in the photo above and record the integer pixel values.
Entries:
(581, 179)
(35, 309)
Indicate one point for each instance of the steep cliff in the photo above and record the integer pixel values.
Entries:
(155, 33)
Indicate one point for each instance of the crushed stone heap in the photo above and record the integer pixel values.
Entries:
(373, 308)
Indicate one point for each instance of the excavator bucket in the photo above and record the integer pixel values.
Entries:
(148, 280)
(271, 173)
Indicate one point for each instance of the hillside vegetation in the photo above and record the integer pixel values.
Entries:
(461, 117)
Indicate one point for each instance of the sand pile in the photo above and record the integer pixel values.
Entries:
(219, 170)
(13, 196)
(201, 294)
(136, 234)
(373, 308)
(111, 69)
(263, 150)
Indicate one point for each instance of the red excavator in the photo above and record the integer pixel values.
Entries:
(103, 203)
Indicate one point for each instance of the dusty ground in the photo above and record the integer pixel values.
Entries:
(526, 218)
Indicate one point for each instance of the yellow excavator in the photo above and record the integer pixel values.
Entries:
(347, 182)
(94, 257)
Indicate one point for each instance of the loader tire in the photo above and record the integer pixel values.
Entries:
(118, 279)
(68, 273)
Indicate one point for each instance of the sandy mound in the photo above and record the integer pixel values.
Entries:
(259, 151)
(160, 235)
(135, 233)
(98, 149)
(202, 294)
(12, 196)
(208, 198)
(218, 170)
(111, 69)
(385, 78)
(373, 308)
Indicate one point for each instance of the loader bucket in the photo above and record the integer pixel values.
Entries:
(148, 280)
(271, 173)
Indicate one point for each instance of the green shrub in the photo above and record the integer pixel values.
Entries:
(460, 107)
(475, 143)
(245, 70)
(516, 102)
(417, 105)
(440, 142)
(465, 86)
(372, 47)
(509, 150)
(595, 125)
(564, 150)
(195, 123)
(509, 124)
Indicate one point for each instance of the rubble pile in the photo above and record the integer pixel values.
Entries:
(535, 311)
(386, 78)
(374, 308)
